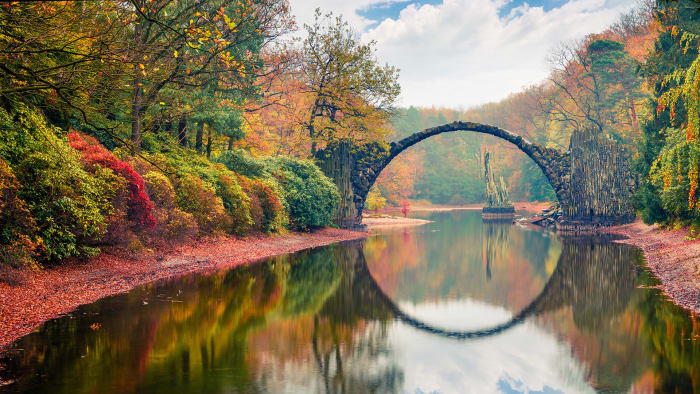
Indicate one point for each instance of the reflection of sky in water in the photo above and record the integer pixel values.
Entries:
(524, 359)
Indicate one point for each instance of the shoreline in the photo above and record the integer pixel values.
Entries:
(672, 258)
(56, 291)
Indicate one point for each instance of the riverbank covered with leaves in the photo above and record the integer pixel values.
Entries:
(672, 255)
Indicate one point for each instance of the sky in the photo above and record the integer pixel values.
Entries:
(462, 53)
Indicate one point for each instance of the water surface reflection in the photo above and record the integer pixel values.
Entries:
(379, 316)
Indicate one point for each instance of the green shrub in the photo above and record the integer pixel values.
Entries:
(181, 164)
(160, 189)
(172, 222)
(647, 201)
(235, 200)
(275, 214)
(199, 199)
(239, 161)
(266, 209)
(257, 215)
(18, 243)
(117, 193)
(309, 196)
(69, 205)
(179, 225)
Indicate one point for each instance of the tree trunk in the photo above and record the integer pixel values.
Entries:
(136, 107)
(168, 127)
(633, 115)
(312, 131)
(208, 142)
(182, 131)
(198, 138)
(230, 143)
(312, 135)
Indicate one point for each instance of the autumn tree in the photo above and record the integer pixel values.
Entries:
(595, 84)
(619, 79)
(136, 61)
(191, 45)
(274, 125)
(349, 94)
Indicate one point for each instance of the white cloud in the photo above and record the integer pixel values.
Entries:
(303, 10)
(461, 53)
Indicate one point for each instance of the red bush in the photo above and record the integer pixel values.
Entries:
(93, 153)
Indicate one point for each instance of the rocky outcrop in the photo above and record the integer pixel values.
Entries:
(600, 190)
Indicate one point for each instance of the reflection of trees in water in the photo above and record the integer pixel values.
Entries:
(594, 279)
(595, 282)
(357, 367)
(495, 244)
(364, 366)
(598, 280)
(448, 260)
(194, 332)
(629, 338)
(180, 329)
(312, 278)
(673, 338)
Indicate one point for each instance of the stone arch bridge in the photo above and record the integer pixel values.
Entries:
(592, 179)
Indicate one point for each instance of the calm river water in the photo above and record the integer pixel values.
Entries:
(455, 306)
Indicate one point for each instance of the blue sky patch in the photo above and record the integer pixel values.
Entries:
(545, 4)
(390, 9)
(377, 12)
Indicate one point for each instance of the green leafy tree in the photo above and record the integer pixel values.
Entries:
(619, 79)
(669, 153)
(595, 84)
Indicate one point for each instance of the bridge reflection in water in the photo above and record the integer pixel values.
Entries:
(594, 278)
(319, 321)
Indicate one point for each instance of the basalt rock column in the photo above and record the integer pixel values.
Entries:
(354, 169)
(601, 183)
